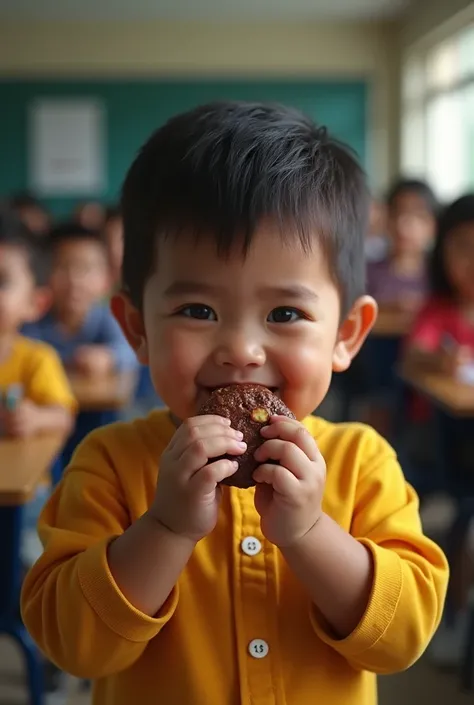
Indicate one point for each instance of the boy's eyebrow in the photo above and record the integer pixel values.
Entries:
(296, 291)
(179, 288)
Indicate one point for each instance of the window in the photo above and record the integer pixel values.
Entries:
(438, 116)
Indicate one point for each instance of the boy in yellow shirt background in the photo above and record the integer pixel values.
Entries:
(244, 229)
(35, 393)
(31, 373)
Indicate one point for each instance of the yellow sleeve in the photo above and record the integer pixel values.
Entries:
(410, 571)
(48, 384)
(70, 603)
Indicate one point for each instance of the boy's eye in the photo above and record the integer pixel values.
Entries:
(284, 314)
(199, 312)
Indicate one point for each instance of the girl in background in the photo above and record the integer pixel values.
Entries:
(399, 284)
(400, 280)
(443, 335)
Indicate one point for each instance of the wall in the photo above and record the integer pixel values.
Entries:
(134, 109)
(182, 49)
(430, 21)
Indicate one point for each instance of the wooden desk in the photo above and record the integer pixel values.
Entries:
(23, 462)
(454, 397)
(110, 393)
(392, 324)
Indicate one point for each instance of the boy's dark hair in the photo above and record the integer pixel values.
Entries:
(221, 168)
(417, 187)
(70, 231)
(13, 233)
(458, 213)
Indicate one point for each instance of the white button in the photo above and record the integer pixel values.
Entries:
(251, 546)
(258, 648)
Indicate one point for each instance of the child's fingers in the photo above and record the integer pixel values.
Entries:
(205, 435)
(196, 428)
(280, 478)
(199, 452)
(295, 433)
(205, 480)
(287, 454)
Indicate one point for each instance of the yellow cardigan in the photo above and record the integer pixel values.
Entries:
(238, 628)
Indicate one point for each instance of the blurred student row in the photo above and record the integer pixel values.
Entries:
(420, 270)
(55, 323)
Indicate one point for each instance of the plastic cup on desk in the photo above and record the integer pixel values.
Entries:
(12, 396)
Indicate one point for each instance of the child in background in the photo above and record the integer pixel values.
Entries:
(443, 334)
(35, 394)
(244, 227)
(399, 285)
(399, 282)
(30, 211)
(90, 215)
(442, 340)
(44, 402)
(79, 326)
(113, 232)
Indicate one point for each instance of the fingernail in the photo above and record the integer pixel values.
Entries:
(242, 445)
(225, 420)
(239, 435)
(264, 430)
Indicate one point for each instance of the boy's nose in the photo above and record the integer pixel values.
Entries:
(239, 351)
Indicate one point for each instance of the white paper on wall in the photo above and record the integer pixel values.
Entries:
(67, 147)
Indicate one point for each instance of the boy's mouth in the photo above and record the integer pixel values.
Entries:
(210, 390)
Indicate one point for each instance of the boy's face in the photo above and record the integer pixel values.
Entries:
(79, 276)
(270, 318)
(17, 289)
(411, 224)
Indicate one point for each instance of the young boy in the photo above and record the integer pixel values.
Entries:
(79, 326)
(35, 392)
(244, 262)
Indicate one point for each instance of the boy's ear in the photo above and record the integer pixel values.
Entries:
(130, 321)
(40, 304)
(353, 331)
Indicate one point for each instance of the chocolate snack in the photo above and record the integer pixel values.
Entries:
(249, 407)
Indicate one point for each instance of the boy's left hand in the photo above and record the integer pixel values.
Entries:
(288, 494)
(22, 421)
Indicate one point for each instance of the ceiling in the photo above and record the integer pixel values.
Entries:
(201, 9)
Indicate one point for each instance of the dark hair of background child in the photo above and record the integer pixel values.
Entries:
(220, 169)
(458, 213)
(416, 187)
(71, 231)
(13, 233)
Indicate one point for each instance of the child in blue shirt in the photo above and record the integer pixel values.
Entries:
(79, 324)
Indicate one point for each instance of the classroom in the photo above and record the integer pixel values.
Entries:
(82, 87)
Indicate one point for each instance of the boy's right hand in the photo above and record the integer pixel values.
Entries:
(188, 493)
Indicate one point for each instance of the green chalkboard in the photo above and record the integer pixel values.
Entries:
(135, 108)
